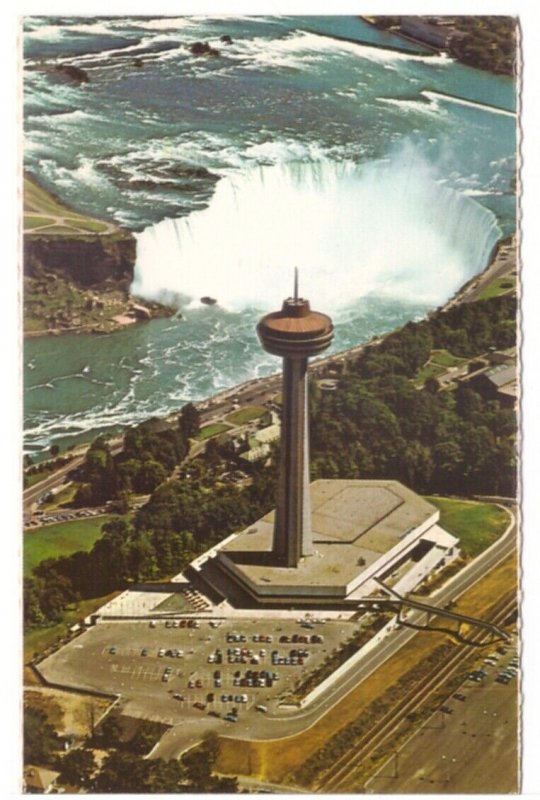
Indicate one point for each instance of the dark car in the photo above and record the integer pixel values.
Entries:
(447, 710)
(199, 705)
(459, 696)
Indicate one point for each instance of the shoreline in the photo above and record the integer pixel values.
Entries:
(504, 259)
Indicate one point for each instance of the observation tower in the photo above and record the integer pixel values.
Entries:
(295, 333)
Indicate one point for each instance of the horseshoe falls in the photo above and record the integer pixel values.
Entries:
(385, 228)
(386, 174)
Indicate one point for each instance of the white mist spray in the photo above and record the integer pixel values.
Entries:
(386, 227)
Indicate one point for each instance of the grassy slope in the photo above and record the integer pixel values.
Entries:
(39, 204)
(476, 524)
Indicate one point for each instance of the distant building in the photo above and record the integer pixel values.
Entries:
(437, 32)
(39, 780)
(497, 383)
(498, 379)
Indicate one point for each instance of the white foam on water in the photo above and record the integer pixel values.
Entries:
(461, 101)
(386, 228)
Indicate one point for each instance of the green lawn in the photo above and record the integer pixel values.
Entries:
(429, 371)
(246, 415)
(476, 524)
(37, 477)
(36, 222)
(87, 224)
(445, 359)
(62, 499)
(61, 539)
(212, 430)
(176, 602)
(501, 285)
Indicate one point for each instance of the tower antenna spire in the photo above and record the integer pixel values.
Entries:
(296, 283)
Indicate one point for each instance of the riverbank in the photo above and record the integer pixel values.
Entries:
(54, 305)
(480, 41)
(257, 391)
(504, 262)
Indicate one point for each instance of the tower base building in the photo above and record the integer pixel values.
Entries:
(363, 531)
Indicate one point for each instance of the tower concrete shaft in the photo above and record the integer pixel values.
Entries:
(295, 333)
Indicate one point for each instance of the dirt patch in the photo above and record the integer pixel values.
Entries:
(68, 712)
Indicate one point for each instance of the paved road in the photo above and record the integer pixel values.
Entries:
(31, 495)
(473, 750)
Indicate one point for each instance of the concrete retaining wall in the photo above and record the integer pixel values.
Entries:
(349, 664)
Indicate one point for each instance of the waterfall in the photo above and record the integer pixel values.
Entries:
(388, 227)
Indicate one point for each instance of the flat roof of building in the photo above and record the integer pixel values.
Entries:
(354, 523)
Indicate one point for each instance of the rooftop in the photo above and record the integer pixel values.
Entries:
(354, 523)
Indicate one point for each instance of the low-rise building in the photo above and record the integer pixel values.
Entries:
(39, 780)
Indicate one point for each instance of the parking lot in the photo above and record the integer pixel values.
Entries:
(175, 670)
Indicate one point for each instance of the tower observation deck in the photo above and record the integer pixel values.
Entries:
(295, 333)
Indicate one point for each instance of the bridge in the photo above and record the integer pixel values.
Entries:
(431, 611)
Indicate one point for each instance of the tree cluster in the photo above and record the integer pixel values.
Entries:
(179, 521)
(149, 454)
(488, 42)
(379, 425)
(125, 771)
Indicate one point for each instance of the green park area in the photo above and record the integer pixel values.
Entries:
(502, 285)
(445, 359)
(438, 363)
(43, 212)
(245, 415)
(61, 539)
(477, 525)
(212, 430)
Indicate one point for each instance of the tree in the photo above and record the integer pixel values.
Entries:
(190, 421)
(146, 737)
(109, 732)
(40, 739)
(149, 476)
(77, 767)
(166, 777)
(123, 773)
